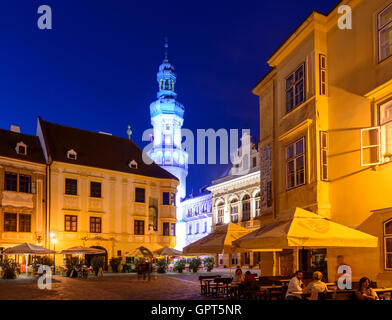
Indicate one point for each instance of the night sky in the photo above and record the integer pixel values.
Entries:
(96, 69)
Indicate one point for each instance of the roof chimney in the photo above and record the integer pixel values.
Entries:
(15, 128)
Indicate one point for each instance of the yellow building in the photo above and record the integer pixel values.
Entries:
(326, 110)
(101, 193)
(22, 189)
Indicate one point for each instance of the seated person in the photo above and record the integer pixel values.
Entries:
(316, 286)
(364, 291)
(295, 285)
(238, 276)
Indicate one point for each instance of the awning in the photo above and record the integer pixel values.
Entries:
(166, 251)
(79, 250)
(219, 241)
(140, 252)
(305, 229)
(27, 248)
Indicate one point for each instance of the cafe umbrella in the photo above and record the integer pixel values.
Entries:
(27, 249)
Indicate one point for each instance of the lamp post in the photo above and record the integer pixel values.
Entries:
(53, 238)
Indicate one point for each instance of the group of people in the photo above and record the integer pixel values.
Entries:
(246, 280)
(316, 287)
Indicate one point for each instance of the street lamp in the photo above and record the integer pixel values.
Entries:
(53, 237)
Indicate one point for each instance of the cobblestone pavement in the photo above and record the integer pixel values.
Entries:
(110, 287)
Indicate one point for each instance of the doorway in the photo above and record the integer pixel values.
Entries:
(89, 257)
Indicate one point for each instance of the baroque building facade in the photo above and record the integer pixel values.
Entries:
(325, 111)
(197, 215)
(22, 189)
(236, 199)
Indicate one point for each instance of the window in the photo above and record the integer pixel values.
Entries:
(11, 181)
(139, 226)
(95, 189)
(95, 225)
(71, 223)
(388, 244)
(197, 228)
(173, 230)
(166, 229)
(370, 146)
(221, 213)
(71, 186)
(21, 148)
(257, 204)
(189, 229)
(246, 208)
(254, 162)
(140, 195)
(24, 223)
(24, 183)
(323, 75)
(384, 27)
(295, 163)
(133, 164)
(324, 155)
(234, 211)
(72, 155)
(169, 198)
(10, 221)
(205, 227)
(295, 88)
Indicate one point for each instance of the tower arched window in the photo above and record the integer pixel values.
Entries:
(246, 208)
(220, 213)
(388, 244)
(234, 210)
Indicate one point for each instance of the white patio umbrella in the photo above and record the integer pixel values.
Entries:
(27, 249)
(79, 250)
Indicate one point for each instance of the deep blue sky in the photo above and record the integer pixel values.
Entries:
(96, 69)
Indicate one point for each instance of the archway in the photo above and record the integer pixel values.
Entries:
(90, 256)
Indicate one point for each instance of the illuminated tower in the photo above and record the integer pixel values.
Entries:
(167, 117)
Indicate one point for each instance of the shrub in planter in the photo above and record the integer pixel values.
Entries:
(161, 266)
(9, 268)
(115, 263)
(209, 263)
(179, 266)
(97, 262)
(195, 264)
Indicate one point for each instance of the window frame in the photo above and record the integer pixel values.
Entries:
(70, 229)
(234, 211)
(26, 218)
(378, 146)
(220, 214)
(380, 29)
(136, 195)
(324, 148)
(138, 227)
(323, 71)
(96, 221)
(172, 229)
(294, 159)
(246, 202)
(94, 193)
(293, 87)
(15, 175)
(9, 214)
(166, 229)
(386, 236)
(69, 189)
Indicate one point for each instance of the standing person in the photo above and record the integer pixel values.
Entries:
(316, 286)
(364, 291)
(295, 285)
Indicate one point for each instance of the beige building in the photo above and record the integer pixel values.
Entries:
(236, 199)
(325, 110)
(22, 189)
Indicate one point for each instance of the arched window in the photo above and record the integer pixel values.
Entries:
(234, 210)
(246, 208)
(257, 204)
(388, 244)
(220, 213)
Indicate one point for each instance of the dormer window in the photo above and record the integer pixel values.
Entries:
(72, 155)
(21, 148)
(133, 164)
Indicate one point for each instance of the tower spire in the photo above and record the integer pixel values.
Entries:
(166, 46)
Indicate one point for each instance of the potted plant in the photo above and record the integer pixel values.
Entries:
(161, 266)
(209, 263)
(195, 264)
(179, 266)
(9, 269)
(115, 263)
(387, 156)
(97, 263)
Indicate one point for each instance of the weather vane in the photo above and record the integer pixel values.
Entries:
(129, 132)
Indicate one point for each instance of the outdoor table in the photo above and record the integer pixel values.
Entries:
(284, 281)
(382, 291)
(268, 289)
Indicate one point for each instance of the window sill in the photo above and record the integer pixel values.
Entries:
(286, 115)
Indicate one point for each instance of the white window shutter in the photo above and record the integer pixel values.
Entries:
(370, 146)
